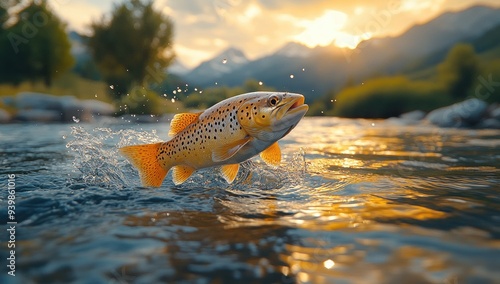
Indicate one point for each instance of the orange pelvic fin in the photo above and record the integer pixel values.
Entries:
(143, 157)
(229, 172)
(272, 155)
(181, 121)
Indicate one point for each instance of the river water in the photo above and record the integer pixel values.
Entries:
(354, 201)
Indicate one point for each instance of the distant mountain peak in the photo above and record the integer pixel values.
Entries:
(230, 55)
(293, 49)
(223, 63)
(178, 68)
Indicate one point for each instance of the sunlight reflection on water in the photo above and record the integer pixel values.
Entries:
(351, 203)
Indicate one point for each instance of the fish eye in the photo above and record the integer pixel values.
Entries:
(273, 101)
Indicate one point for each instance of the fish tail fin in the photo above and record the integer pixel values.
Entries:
(144, 158)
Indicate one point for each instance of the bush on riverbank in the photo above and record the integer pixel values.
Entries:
(389, 96)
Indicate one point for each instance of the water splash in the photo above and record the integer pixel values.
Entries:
(97, 161)
(96, 158)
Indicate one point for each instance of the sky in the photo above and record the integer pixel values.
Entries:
(204, 28)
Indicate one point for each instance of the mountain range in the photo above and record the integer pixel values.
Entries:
(314, 71)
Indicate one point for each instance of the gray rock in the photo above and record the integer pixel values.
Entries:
(37, 115)
(466, 113)
(495, 112)
(492, 123)
(72, 109)
(30, 100)
(32, 106)
(4, 116)
(413, 115)
(96, 107)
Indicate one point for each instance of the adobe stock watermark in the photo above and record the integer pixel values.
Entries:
(29, 30)
(377, 22)
(485, 87)
(11, 224)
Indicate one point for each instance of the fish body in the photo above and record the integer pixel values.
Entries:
(226, 134)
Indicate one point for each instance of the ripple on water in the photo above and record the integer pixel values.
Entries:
(354, 201)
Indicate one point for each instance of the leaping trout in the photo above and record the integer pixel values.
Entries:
(226, 134)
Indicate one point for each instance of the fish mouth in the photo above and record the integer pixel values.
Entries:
(295, 107)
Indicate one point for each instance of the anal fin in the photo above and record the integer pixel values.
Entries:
(229, 172)
(181, 173)
(272, 155)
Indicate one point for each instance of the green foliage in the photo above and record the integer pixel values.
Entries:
(487, 86)
(144, 101)
(133, 47)
(67, 84)
(322, 106)
(387, 97)
(33, 44)
(211, 96)
(459, 71)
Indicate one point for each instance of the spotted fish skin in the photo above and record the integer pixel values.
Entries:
(226, 134)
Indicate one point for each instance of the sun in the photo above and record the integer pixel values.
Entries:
(325, 30)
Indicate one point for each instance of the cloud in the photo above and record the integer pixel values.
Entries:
(259, 27)
(79, 14)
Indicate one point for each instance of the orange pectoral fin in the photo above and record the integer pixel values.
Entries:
(226, 151)
(229, 172)
(181, 173)
(143, 157)
(272, 155)
(181, 121)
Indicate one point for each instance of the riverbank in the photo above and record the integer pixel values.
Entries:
(31, 107)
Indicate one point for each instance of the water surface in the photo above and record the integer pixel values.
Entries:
(354, 201)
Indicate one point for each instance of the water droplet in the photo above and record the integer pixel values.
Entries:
(331, 101)
(174, 91)
(224, 61)
(260, 83)
(112, 87)
(64, 137)
(322, 112)
(373, 124)
(328, 264)
(303, 69)
(201, 92)
(152, 115)
(95, 95)
(173, 100)
(196, 89)
(291, 76)
(76, 119)
(165, 95)
(215, 83)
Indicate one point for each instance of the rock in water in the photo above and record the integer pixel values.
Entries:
(462, 114)
(4, 116)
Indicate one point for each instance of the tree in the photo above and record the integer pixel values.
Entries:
(33, 44)
(134, 46)
(459, 70)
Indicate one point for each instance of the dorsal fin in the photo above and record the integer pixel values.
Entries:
(181, 121)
